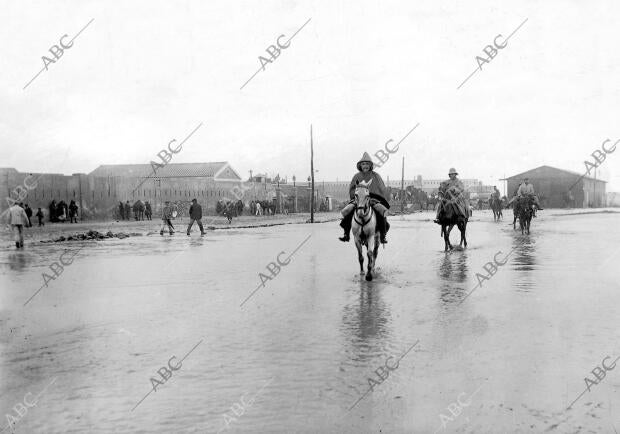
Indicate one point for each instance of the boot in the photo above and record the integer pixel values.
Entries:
(345, 224)
(385, 228)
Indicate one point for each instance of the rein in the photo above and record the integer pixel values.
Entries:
(362, 224)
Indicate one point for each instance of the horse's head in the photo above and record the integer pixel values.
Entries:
(525, 204)
(362, 197)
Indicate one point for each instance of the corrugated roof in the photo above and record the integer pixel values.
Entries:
(518, 175)
(171, 170)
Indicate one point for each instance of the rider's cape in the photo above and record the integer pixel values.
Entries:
(377, 188)
(459, 203)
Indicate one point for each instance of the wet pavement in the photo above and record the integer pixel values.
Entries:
(435, 343)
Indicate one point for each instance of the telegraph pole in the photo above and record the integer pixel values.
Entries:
(594, 201)
(312, 175)
(402, 188)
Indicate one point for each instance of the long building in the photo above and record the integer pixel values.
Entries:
(98, 193)
(559, 188)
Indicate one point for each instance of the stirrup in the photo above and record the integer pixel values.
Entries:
(345, 238)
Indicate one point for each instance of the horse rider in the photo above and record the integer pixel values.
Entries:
(527, 189)
(496, 193)
(378, 194)
(453, 188)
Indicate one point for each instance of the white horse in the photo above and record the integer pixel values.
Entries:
(364, 228)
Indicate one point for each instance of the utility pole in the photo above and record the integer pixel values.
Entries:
(402, 188)
(594, 201)
(80, 191)
(295, 188)
(312, 175)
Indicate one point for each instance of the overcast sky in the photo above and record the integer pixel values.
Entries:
(361, 72)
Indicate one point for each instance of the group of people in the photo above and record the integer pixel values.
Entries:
(60, 212)
(262, 207)
(169, 212)
(229, 209)
(451, 193)
(140, 210)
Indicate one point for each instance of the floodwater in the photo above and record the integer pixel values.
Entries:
(299, 353)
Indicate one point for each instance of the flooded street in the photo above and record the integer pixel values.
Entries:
(505, 350)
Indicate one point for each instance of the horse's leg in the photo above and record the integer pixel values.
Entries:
(463, 234)
(446, 236)
(528, 225)
(360, 254)
(514, 223)
(371, 244)
(375, 254)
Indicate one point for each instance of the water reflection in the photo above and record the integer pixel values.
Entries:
(524, 260)
(366, 322)
(19, 261)
(524, 253)
(452, 270)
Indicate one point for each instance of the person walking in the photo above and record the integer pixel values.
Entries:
(39, 215)
(195, 215)
(73, 211)
(127, 211)
(17, 220)
(166, 215)
(28, 214)
(121, 210)
(147, 210)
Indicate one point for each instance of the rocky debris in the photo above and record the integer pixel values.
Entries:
(93, 235)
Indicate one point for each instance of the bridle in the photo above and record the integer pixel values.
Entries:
(367, 210)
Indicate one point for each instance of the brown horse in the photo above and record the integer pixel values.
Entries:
(496, 205)
(449, 217)
(523, 209)
(364, 228)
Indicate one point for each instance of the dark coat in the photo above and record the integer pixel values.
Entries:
(195, 211)
(377, 188)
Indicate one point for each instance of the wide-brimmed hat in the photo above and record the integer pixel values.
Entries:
(453, 170)
(365, 159)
